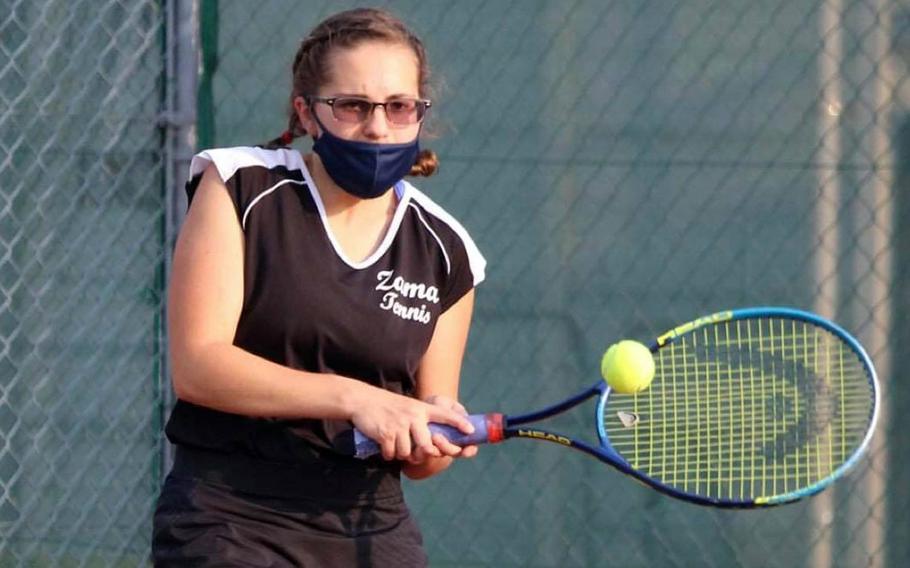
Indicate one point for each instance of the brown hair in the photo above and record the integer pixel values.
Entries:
(344, 30)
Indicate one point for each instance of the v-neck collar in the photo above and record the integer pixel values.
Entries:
(401, 192)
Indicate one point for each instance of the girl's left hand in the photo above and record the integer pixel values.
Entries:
(446, 447)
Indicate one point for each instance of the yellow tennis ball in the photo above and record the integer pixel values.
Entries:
(628, 367)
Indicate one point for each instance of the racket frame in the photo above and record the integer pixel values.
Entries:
(511, 425)
(495, 427)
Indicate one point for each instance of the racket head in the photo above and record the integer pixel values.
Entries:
(748, 408)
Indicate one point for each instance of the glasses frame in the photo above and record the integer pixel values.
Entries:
(421, 110)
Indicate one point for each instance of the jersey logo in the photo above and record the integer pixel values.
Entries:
(398, 290)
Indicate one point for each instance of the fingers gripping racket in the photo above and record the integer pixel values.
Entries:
(748, 408)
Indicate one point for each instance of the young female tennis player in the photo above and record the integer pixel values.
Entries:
(311, 294)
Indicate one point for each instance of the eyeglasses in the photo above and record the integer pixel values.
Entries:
(354, 110)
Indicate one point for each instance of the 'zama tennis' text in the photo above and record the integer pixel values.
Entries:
(396, 287)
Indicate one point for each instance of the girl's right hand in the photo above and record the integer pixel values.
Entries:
(398, 423)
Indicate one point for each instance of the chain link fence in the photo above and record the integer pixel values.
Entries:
(624, 166)
(81, 274)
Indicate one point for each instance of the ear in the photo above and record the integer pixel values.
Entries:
(305, 117)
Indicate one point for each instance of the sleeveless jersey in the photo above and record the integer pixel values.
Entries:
(308, 307)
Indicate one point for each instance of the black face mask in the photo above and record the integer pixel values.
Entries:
(364, 169)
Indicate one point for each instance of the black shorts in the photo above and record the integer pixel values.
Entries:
(201, 523)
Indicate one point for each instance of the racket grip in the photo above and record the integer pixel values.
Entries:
(487, 430)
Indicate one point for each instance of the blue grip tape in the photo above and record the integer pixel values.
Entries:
(365, 447)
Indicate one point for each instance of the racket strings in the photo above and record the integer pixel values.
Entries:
(755, 407)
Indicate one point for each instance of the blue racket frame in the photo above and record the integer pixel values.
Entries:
(511, 425)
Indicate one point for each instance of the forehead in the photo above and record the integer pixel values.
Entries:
(374, 69)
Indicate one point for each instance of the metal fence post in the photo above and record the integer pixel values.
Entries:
(179, 120)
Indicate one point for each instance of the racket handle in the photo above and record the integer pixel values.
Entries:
(487, 430)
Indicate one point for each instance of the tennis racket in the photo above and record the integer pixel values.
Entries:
(748, 408)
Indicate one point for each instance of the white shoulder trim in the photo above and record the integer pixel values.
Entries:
(228, 160)
(476, 260)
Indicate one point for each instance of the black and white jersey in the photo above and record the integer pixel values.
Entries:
(308, 307)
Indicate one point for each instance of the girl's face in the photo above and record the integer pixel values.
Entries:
(375, 71)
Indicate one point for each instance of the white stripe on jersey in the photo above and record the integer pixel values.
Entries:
(263, 194)
(445, 253)
(390, 234)
(475, 258)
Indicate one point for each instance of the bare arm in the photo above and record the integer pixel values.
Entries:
(204, 303)
(438, 377)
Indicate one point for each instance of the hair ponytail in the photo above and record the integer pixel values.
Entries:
(283, 141)
(426, 165)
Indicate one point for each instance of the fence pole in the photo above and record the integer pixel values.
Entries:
(180, 142)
